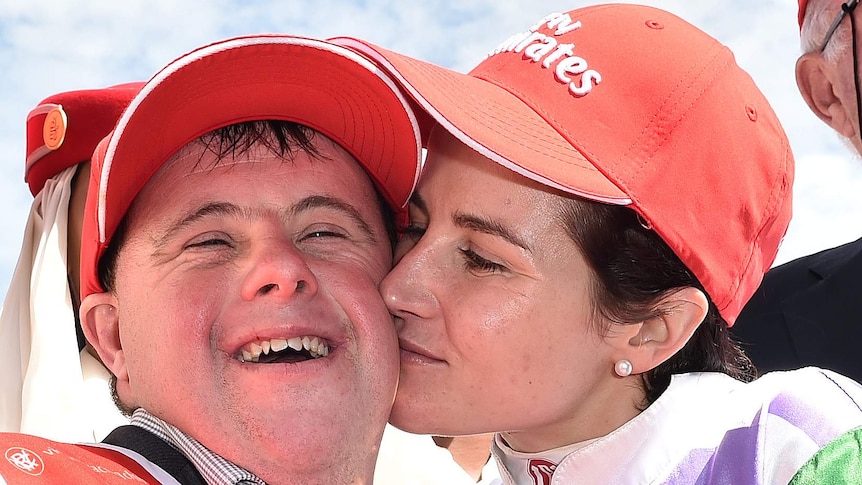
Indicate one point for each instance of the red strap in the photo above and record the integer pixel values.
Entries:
(33, 460)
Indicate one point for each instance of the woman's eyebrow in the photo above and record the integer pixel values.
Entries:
(489, 226)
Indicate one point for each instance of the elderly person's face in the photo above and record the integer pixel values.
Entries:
(224, 272)
(826, 79)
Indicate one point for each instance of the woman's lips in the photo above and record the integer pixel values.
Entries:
(411, 352)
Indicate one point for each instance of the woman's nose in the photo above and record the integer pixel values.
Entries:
(408, 288)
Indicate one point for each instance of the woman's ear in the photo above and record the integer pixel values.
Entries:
(649, 343)
(100, 323)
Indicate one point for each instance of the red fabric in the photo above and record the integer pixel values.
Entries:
(90, 115)
(279, 77)
(655, 114)
(801, 14)
(33, 460)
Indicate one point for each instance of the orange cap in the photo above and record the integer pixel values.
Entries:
(629, 105)
(64, 129)
(263, 77)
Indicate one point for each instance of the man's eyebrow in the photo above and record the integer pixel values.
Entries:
(326, 202)
(489, 226)
(209, 209)
(232, 210)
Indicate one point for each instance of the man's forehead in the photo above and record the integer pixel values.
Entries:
(195, 174)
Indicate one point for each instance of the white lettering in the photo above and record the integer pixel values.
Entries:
(546, 20)
(564, 24)
(23, 461)
(537, 51)
(534, 36)
(570, 69)
(570, 65)
(588, 80)
(509, 44)
(562, 50)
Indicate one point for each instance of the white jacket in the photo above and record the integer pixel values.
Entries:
(708, 428)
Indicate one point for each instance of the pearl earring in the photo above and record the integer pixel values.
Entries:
(623, 368)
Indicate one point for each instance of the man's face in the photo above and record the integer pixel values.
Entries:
(222, 264)
(826, 79)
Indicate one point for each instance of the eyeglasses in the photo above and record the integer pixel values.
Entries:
(846, 8)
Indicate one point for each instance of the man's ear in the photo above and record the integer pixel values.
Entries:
(649, 343)
(100, 322)
(816, 80)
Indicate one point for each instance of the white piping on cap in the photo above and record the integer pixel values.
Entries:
(42, 150)
(470, 142)
(180, 63)
(41, 109)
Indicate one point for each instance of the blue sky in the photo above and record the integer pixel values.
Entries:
(49, 46)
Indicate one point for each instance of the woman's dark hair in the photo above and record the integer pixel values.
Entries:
(634, 269)
(282, 138)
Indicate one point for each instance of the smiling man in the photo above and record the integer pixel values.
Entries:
(238, 223)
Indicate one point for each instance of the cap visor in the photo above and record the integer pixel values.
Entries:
(495, 123)
(323, 86)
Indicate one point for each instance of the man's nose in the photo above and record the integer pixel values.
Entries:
(278, 270)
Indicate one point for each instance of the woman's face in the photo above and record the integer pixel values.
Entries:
(493, 308)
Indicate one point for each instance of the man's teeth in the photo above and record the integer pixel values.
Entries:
(313, 345)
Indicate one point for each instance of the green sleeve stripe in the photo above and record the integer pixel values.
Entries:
(839, 462)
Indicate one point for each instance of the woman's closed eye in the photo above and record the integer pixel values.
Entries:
(474, 262)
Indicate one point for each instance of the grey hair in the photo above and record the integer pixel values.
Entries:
(819, 16)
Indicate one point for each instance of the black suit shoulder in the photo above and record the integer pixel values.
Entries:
(157, 451)
(806, 312)
(786, 280)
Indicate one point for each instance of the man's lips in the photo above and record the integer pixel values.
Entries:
(283, 343)
(285, 350)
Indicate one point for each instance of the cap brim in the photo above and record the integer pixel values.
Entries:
(348, 99)
(485, 117)
(326, 87)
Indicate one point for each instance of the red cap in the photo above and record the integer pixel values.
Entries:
(318, 84)
(629, 105)
(801, 14)
(64, 129)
